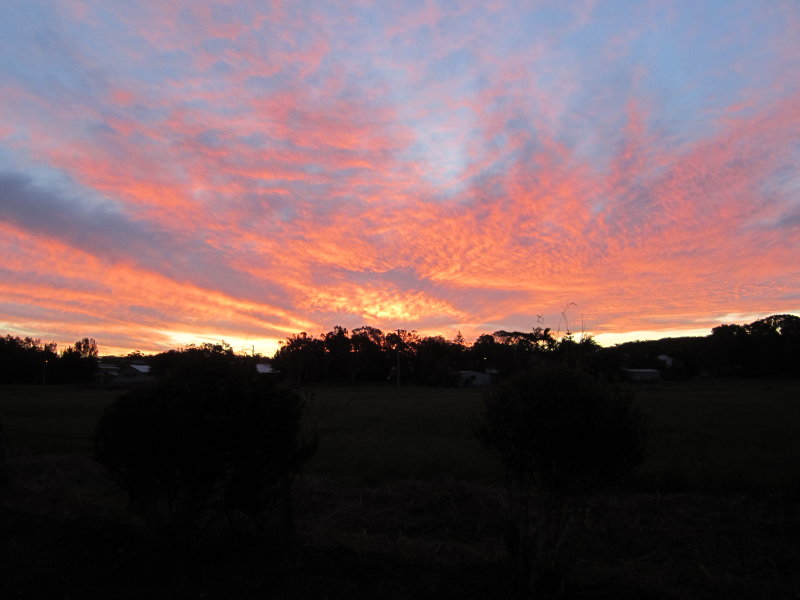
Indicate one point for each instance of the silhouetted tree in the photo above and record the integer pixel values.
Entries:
(26, 360)
(774, 345)
(581, 355)
(517, 350)
(483, 353)
(369, 361)
(765, 347)
(210, 438)
(437, 361)
(337, 364)
(729, 346)
(301, 358)
(77, 364)
(86, 348)
(402, 346)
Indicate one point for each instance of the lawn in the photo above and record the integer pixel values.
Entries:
(397, 511)
(706, 434)
(388, 432)
(40, 419)
(727, 434)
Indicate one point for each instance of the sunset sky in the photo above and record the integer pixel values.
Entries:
(175, 172)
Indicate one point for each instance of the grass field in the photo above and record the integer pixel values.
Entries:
(727, 434)
(427, 528)
(408, 432)
(40, 419)
(708, 434)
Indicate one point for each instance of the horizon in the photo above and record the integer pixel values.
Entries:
(203, 171)
(269, 348)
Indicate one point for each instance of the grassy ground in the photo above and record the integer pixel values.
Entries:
(410, 432)
(392, 508)
(708, 434)
(40, 419)
(738, 434)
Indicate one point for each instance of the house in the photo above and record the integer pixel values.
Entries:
(136, 371)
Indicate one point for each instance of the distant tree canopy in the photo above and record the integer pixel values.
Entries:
(28, 360)
(768, 347)
(370, 355)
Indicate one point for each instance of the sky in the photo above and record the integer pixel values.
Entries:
(176, 172)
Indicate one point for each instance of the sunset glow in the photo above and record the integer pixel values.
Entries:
(177, 172)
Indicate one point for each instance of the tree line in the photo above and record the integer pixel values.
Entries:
(28, 360)
(767, 347)
(367, 354)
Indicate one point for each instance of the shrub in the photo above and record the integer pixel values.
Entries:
(558, 433)
(562, 431)
(210, 438)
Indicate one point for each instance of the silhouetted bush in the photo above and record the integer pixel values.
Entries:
(559, 433)
(210, 438)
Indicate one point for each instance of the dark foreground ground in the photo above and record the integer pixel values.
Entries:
(65, 533)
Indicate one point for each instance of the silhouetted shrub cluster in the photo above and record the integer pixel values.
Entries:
(559, 433)
(561, 430)
(210, 438)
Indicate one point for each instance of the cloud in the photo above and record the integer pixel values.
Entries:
(270, 169)
(96, 226)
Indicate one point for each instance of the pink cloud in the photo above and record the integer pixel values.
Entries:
(315, 178)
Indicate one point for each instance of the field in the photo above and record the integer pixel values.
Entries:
(401, 502)
(723, 435)
(707, 434)
(41, 419)
(376, 433)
